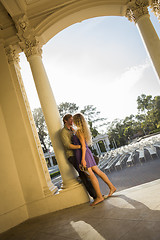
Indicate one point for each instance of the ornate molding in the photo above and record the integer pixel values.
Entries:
(29, 42)
(13, 58)
(136, 9)
(12, 55)
(22, 24)
(155, 5)
(31, 47)
(50, 188)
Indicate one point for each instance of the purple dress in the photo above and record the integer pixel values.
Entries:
(90, 162)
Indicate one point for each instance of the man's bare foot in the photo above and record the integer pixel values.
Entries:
(112, 190)
(97, 200)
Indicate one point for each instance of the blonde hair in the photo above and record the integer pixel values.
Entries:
(82, 127)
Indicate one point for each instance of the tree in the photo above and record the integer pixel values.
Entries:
(144, 102)
(119, 131)
(66, 107)
(116, 133)
(92, 116)
(42, 129)
(90, 112)
(151, 107)
(153, 114)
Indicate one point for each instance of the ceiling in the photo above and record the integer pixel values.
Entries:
(47, 17)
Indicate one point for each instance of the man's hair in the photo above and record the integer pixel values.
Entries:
(66, 117)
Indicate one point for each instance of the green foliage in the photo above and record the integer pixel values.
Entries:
(66, 107)
(144, 102)
(41, 129)
(90, 112)
(120, 131)
(102, 147)
(55, 174)
(92, 116)
(145, 122)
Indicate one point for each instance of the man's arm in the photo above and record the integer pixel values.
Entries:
(67, 143)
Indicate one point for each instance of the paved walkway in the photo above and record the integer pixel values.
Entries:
(128, 177)
(131, 214)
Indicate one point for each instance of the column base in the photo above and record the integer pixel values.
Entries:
(70, 184)
(50, 190)
(64, 198)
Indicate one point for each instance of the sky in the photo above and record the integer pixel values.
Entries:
(100, 61)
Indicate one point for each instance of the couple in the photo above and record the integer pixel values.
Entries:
(80, 156)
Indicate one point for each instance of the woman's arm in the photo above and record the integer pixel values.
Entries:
(72, 146)
(83, 144)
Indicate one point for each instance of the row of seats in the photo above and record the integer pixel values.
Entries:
(125, 155)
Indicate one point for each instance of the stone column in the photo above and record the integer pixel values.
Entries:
(137, 12)
(13, 60)
(99, 150)
(106, 147)
(155, 5)
(51, 161)
(32, 49)
(95, 147)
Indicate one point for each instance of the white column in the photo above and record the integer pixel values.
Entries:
(32, 49)
(13, 60)
(137, 11)
(52, 117)
(99, 150)
(107, 143)
(106, 147)
(95, 147)
(51, 161)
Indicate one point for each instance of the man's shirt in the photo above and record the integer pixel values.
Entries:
(66, 136)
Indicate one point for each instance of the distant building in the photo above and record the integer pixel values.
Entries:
(101, 144)
(50, 159)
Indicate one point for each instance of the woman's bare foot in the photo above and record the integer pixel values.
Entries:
(97, 200)
(112, 190)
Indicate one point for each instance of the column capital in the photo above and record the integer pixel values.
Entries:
(31, 47)
(155, 5)
(12, 55)
(136, 9)
(29, 42)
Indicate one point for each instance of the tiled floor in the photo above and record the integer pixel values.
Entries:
(131, 214)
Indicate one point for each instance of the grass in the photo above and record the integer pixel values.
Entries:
(55, 174)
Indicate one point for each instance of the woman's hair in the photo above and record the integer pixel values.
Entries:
(82, 127)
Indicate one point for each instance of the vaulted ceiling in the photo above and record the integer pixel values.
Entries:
(48, 17)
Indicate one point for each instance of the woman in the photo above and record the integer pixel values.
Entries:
(85, 158)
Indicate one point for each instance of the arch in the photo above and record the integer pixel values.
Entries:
(76, 13)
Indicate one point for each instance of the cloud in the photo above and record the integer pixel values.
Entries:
(126, 81)
(117, 98)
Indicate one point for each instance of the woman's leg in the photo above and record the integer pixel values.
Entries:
(95, 184)
(105, 179)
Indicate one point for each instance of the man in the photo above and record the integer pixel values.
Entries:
(66, 135)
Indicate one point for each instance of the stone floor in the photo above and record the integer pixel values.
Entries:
(131, 213)
(139, 173)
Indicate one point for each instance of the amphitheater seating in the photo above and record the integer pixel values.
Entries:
(125, 155)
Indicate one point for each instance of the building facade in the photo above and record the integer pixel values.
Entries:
(101, 144)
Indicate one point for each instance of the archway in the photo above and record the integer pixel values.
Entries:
(66, 21)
